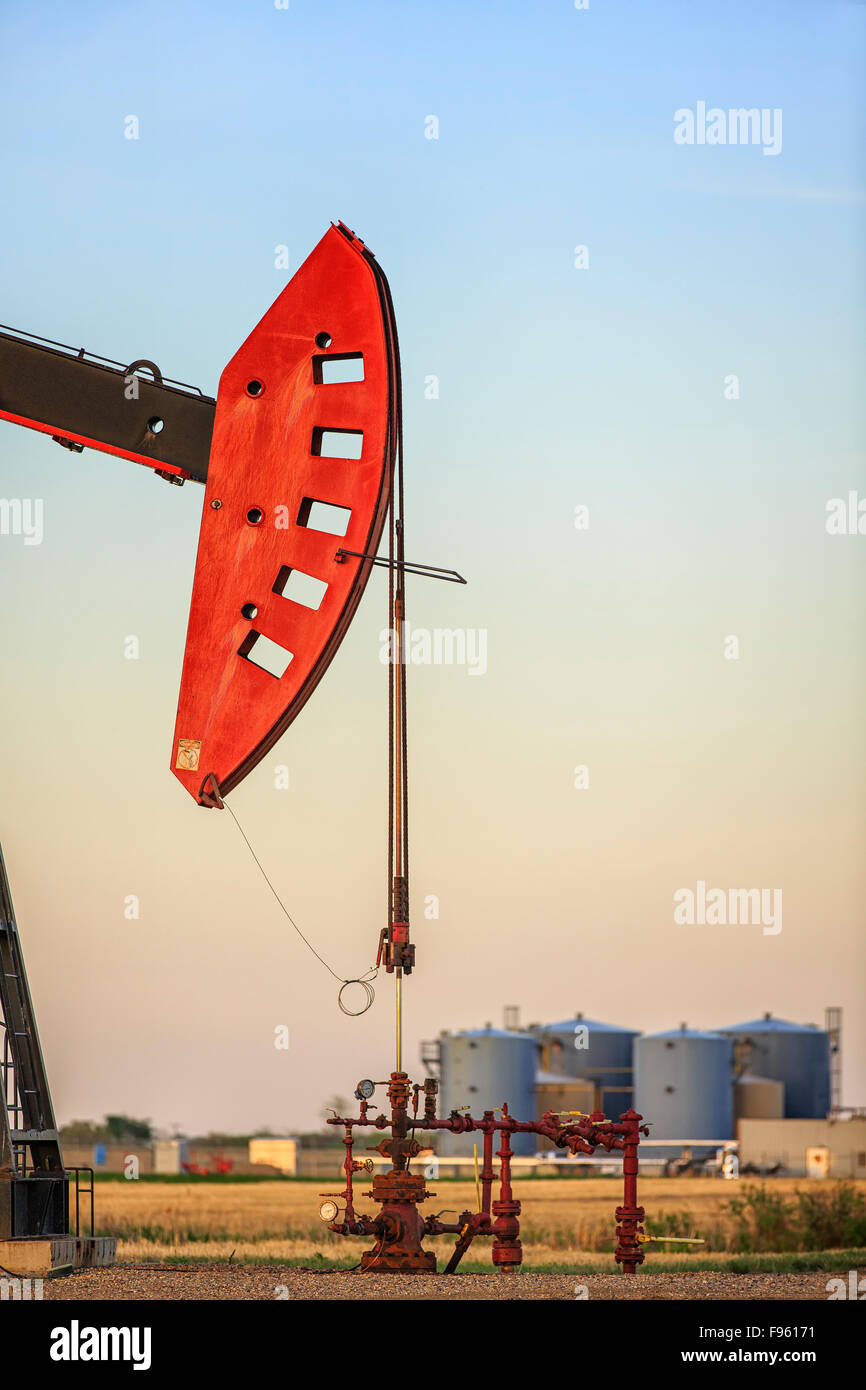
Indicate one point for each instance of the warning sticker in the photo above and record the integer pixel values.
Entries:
(188, 750)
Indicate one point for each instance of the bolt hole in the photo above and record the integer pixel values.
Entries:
(155, 425)
(255, 516)
(255, 387)
(249, 610)
(323, 340)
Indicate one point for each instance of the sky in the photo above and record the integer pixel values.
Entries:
(692, 378)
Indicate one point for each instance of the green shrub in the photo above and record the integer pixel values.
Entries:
(817, 1219)
(832, 1219)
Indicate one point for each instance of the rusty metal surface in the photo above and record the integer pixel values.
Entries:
(399, 1227)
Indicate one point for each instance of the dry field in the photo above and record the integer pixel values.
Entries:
(562, 1219)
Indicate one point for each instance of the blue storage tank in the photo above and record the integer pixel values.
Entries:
(684, 1084)
(599, 1053)
(482, 1068)
(797, 1054)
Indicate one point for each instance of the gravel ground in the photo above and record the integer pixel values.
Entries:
(256, 1282)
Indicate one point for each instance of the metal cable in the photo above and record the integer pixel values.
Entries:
(362, 980)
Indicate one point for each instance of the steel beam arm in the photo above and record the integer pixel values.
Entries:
(83, 400)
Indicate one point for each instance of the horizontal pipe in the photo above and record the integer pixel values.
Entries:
(465, 1124)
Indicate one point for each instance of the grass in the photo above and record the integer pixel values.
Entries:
(831, 1261)
(230, 1179)
(565, 1225)
(221, 1179)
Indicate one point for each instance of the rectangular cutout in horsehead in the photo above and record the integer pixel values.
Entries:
(267, 655)
(338, 368)
(324, 516)
(299, 587)
(336, 444)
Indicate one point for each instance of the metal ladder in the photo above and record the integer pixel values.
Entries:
(34, 1198)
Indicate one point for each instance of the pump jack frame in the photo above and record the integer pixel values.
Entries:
(35, 1206)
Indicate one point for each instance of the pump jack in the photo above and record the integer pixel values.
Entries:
(270, 453)
(301, 460)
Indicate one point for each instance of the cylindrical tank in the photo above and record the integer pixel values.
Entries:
(598, 1053)
(758, 1098)
(481, 1069)
(683, 1084)
(796, 1054)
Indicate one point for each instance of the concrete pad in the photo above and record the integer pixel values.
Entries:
(45, 1255)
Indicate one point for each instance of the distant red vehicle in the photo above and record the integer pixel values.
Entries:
(221, 1167)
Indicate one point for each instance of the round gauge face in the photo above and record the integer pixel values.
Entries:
(365, 1089)
(328, 1211)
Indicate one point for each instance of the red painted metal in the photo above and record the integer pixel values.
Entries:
(399, 1224)
(266, 468)
(86, 441)
(507, 1250)
(399, 1228)
(629, 1232)
(399, 1249)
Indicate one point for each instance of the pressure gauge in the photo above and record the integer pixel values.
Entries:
(329, 1211)
(365, 1089)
